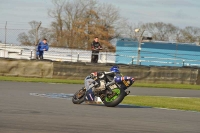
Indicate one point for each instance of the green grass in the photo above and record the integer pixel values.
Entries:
(172, 86)
(44, 80)
(67, 81)
(190, 104)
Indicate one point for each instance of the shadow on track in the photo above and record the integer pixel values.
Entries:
(119, 106)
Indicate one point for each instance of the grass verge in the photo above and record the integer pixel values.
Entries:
(172, 86)
(44, 80)
(66, 81)
(189, 104)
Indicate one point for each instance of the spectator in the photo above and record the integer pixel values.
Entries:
(42, 46)
(95, 50)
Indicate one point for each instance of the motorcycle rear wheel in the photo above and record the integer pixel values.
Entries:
(79, 96)
(117, 98)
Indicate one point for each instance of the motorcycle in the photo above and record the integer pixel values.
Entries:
(111, 94)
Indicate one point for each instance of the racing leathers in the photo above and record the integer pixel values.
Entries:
(97, 80)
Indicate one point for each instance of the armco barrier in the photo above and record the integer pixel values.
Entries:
(72, 70)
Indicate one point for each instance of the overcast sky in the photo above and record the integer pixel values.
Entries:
(178, 12)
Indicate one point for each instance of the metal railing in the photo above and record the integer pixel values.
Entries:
(55, 54)
(10, 47)
(77, 55)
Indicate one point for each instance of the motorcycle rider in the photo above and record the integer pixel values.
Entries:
(93, 81)
(93, 78)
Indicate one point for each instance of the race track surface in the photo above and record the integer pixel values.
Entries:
(21, 112)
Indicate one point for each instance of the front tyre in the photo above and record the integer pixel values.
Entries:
(79, 96)
(116, 98)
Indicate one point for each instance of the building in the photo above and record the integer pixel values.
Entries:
(157, 53)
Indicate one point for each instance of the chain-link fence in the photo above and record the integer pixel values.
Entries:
(14, 44)
(55, 54)
(11, 36)
(127, 51)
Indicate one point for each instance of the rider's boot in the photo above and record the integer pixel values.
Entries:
(127, 93)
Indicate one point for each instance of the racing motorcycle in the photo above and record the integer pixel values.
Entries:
(111, 94)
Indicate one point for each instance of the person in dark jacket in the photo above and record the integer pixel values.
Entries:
(42, 46)
(96, 46)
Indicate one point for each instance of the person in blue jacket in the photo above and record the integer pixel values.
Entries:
(42, 46)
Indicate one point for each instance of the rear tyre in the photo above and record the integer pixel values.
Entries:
(79, 96)
(112, 101)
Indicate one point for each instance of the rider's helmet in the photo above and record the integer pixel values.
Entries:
(93, 75)
(114, 69)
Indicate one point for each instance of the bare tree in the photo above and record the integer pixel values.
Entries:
(57, 15)
(47, 33)
(110, 19)
(190, 34)
(30, 37)
(129, 29)
(82, 20)
(23, 38)
(161, 31)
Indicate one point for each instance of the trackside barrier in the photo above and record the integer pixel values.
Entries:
(79, 70)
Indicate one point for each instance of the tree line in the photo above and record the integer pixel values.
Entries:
(160, 31)
(75, 24)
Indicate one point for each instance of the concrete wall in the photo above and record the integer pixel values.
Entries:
(26, 68)
(72, 70)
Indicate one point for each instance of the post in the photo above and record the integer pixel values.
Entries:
(106, 55)
(71, 54)
(21, 52)
(31, 53)
(138, 57)
(5, 39)
(139, 47)
(132, 60)
(36, 39)
(78, 58)
(183, 62)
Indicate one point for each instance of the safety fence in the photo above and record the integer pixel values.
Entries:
(79, 55)
(20, 44)
(55, 54)
(128, 52)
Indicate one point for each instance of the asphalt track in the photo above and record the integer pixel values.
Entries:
(21, 112)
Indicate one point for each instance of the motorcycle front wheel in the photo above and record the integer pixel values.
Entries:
(115, 98)
(79, 96)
